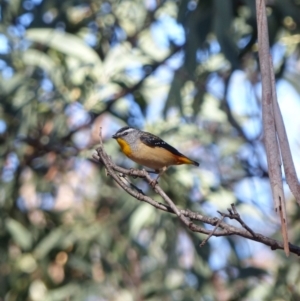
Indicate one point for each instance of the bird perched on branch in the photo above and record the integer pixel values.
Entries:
(149, 150)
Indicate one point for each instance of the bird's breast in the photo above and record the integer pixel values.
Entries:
(152, 157)
(125, 147)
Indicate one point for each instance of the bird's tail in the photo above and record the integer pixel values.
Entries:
(186, 160)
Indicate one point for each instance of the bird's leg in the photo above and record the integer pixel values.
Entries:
(160, 172)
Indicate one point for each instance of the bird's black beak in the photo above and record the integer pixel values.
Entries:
(114, 136)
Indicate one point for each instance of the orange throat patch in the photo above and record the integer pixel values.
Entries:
(124, 146)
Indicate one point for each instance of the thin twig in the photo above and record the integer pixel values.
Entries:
(212, 232)
(233, 214)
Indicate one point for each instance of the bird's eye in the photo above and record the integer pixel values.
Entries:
(124, 134)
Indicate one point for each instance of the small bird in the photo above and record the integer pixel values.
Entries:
(149, 150)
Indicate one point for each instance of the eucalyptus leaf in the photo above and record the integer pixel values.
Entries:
(48, 243)
(19, 233)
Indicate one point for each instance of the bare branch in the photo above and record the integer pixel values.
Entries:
(186, 216)
(270, 138)
(288, 164)
(233, 214)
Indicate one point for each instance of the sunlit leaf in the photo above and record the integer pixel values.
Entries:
(19, 233)
(52, 240)
(67, 43)
(63, 292)
(142, 216)
(10, 85)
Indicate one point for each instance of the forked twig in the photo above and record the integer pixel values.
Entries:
(233, 214)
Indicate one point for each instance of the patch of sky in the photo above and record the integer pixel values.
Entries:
(135, 71)
(28, 5)
(242, 100)
(91, 39)
(192, 5)
(4, 45)
(289, 104)
(46, 85)
(244, 248)
(191, 280)
(105, 7)
(7, 72)
(255, 155)
(155, 108)
(93, 26)
(202, 55)
(164, 74)
(3, 126)
(11, 164)
(214, 46)
(48, 17)
(135, 118)
(26, 19)
(81, 139)
(150, 4)
(120, 34)
(36, 2)
(242, 43)
(215, 85)
(21, 204)
(278, 51)
(47, 201)
(24, 44)
(218, 259)
(78, 116)
(255, 191)
(117, 37)
(16, 30)
(166, 29)
(176, 60)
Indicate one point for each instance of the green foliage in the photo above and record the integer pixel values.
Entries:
(67, 232)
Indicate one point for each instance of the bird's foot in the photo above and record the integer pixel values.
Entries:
(131, 173)
(153, 183)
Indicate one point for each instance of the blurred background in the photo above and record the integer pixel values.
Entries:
(184, 70)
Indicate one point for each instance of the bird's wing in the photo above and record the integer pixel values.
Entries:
(154, 141)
